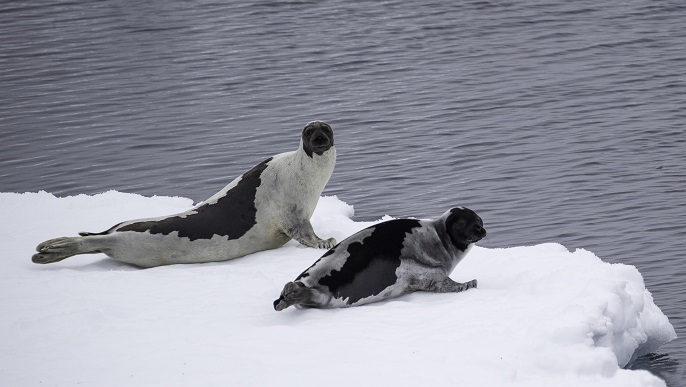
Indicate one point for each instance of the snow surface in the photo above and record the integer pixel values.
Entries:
(542, 315)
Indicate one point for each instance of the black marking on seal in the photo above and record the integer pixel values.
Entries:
(372, 263)
(306, 273)
(109, 230)
(232, 215)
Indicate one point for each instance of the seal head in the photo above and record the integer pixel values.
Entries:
(317, 137)
(464, 227)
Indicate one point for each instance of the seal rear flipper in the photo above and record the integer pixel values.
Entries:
(280, 304)
(44, 258)
(294, 293)
(55, 250)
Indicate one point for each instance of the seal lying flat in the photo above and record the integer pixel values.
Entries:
(263, 209)
(387, 260)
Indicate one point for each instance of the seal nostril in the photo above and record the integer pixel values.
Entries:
(320, 141)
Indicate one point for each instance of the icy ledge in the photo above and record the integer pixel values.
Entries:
(542, 316)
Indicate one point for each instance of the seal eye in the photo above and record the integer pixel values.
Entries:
(308, 132)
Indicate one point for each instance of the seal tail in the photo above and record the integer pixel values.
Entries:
(55, 250)
(294, 293)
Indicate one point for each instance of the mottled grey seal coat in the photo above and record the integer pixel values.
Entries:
(387, 260)
(264, 208)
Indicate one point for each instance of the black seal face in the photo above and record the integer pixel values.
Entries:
(464, 226)
(317, 138)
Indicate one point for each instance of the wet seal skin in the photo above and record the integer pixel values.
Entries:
(262, 209)
(388, 260)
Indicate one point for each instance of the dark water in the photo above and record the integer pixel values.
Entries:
(558, 121)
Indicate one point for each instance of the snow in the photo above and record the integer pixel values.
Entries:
(541, 316)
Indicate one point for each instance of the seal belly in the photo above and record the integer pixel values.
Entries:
(148, 250)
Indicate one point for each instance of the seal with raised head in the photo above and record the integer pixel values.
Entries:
(388, 260)
(263, 209)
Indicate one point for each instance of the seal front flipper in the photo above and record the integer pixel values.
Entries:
(446, 285)
(304, 234)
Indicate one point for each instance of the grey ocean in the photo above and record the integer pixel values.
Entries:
(557, 121)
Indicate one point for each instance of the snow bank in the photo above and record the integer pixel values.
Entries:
(542, 316)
